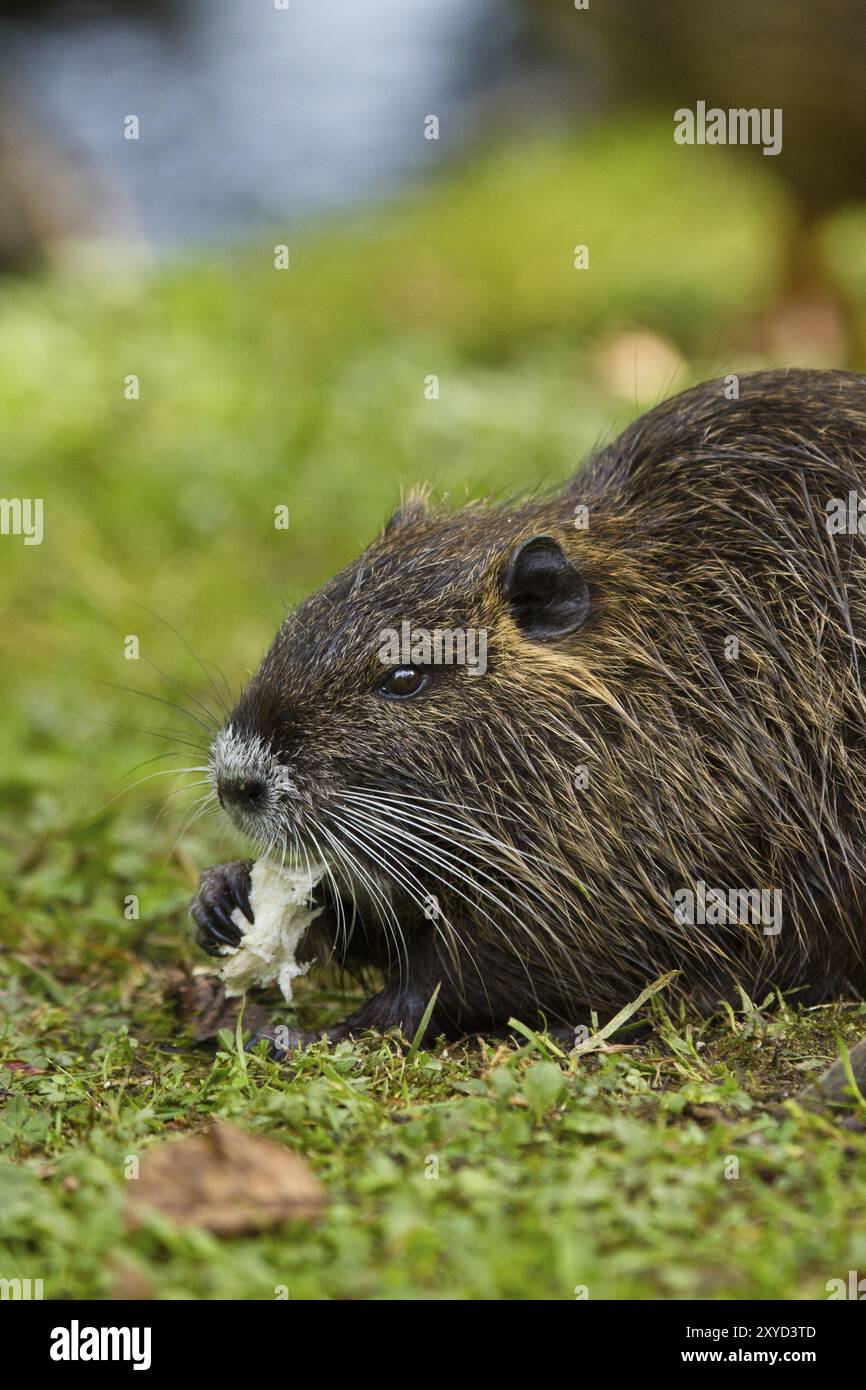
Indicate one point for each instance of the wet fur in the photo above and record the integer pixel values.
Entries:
(706, 520)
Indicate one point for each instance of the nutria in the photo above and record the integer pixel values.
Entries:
(662, 767)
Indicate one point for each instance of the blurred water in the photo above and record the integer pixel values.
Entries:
(251, 114)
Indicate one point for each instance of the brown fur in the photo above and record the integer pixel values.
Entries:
(707, 519)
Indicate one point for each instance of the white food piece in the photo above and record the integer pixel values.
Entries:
(280, 900)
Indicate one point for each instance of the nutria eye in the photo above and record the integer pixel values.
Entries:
(404, 682)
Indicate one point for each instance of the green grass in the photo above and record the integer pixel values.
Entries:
(306, 389)
(608, 1172)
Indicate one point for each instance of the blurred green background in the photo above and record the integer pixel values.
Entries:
(305, 388)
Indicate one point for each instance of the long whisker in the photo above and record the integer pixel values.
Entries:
(378, 859)
(447, 862)
(495, 849)
(222, 705)
(164, 772)
(171, 735)
(338, 901)
(201, 807)
(427, 801)
(441, 918)
(207, 728)
(467, 830)
(378, 900)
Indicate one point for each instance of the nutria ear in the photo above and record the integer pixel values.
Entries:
(548, 597)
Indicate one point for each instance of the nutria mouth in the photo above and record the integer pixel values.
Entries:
(671, 696)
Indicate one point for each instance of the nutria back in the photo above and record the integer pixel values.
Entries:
(658, 764)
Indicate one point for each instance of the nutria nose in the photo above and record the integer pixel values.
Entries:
(246, 792)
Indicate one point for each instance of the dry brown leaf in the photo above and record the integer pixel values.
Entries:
(203, 1004)
(225, 1180)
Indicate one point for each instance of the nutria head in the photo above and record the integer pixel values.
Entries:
(393, 676)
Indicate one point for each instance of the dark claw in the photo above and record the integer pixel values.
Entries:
(214, 926)
(231, 932)
(204, 934)
(239, 886)
(221, 891)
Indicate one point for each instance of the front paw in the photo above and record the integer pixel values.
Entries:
(221, 890)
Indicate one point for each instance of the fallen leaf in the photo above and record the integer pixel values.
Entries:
(203, 1004)
(226, 1180)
